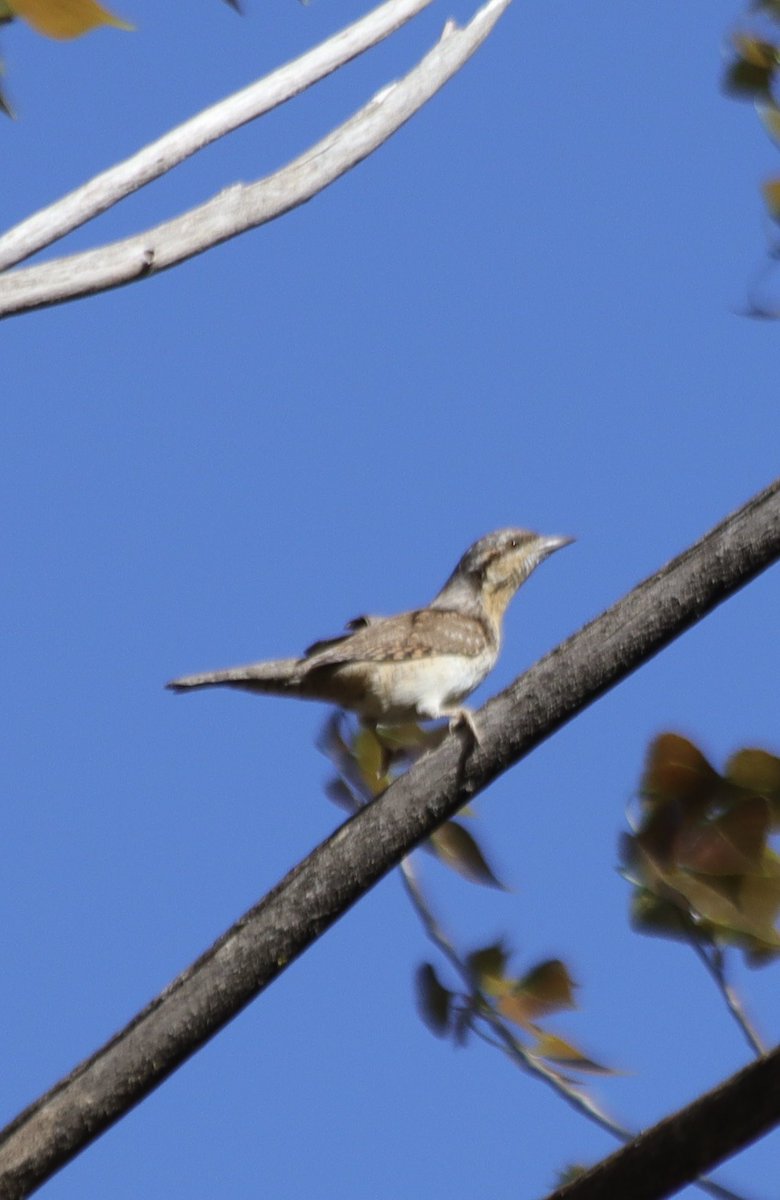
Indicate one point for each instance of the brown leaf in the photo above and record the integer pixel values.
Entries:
(547, 987)
(434, 1000)
(456, 847)
(339, 794)
(677, 770)
(732, 844)
(513, 1006)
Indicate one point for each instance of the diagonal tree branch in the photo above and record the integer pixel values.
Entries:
(322, 887)
(98, 194)
(663, 1159)
(245, 206)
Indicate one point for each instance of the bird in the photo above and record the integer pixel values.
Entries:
(416, 666)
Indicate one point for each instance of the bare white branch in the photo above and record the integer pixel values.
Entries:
(245, 206)
(100, 193)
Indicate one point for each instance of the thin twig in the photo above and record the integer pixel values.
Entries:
(713, 959)
(505, 1041)
(572, 1094)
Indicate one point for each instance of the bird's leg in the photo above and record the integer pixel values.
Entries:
(462, 718)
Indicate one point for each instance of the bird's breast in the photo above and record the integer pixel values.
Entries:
(405, 690)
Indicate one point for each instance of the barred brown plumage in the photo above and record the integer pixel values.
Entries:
(417, 665)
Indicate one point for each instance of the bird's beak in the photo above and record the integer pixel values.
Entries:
(548, 545)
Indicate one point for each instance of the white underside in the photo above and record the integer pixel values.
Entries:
(420, 688)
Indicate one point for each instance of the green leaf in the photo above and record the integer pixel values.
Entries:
(746, 81)
(751, 769)
(731, 909)
(729, 918)
(410, 737)
(371, 759)
(487, 967)
(657, 917)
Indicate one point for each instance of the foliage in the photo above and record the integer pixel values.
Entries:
(368, 758)
(61, 19)
(700, 858)
(752, 74)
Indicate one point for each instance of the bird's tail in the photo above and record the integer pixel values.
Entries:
(279, 678)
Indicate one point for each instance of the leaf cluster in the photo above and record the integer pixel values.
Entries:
(544, 989)
(368, 758)
(700, 857)
(752, 74)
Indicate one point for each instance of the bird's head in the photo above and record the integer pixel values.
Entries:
(491, 571)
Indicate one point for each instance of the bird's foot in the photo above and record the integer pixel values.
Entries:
(463, 718)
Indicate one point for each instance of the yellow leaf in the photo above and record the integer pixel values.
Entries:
(65, 18)
(487, 967)
(757, 52)
(555, 1049)
(756, 770)
(369, 755)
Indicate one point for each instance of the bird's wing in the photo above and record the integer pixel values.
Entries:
(422, 633)
(326, 643)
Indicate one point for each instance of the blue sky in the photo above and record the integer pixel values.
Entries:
(522, 310)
